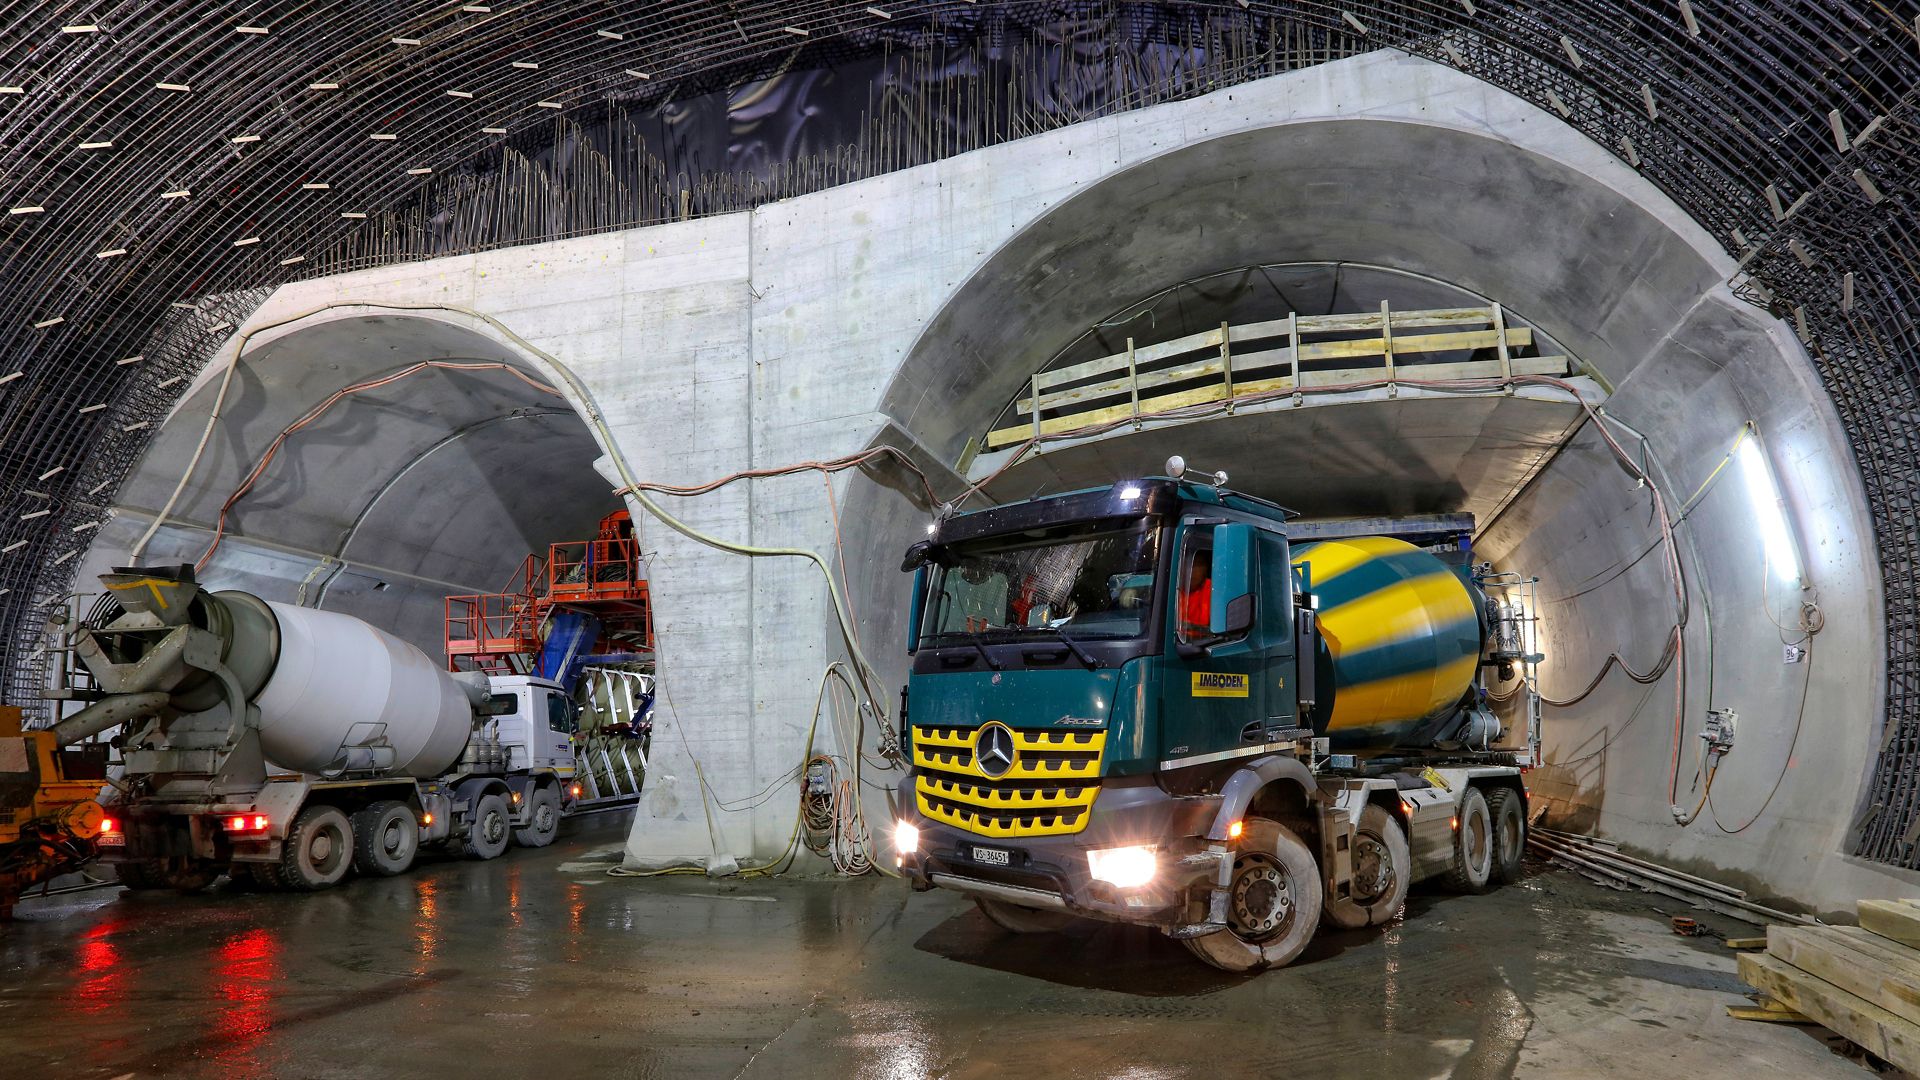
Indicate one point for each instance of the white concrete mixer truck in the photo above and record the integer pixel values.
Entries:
(287, 746)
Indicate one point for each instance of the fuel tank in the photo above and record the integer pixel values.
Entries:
(1400, 639)
(347, 694)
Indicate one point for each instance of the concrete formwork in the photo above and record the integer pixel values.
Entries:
(908, 309)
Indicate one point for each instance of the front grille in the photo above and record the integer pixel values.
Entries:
(1048, 792)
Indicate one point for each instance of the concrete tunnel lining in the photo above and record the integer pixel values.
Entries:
(439, 483)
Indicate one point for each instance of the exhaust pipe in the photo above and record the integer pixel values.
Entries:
(109, 713)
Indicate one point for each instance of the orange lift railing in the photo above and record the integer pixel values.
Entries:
(605, 577)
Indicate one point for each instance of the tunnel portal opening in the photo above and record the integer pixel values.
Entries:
(422, 477)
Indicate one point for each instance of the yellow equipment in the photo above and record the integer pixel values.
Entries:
(49, 816)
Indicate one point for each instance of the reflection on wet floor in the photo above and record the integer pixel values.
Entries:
(522, 968)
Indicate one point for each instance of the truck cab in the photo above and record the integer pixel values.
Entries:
(1114, 692)
(538, 733)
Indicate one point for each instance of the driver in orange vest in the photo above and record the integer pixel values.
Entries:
(1196, 595)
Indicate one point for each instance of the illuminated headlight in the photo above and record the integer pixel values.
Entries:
(906, 838)
(1125, 867)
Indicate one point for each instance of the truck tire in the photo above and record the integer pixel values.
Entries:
(1022, 920)
(142, 874)
(543, 818)
(386, 837)
(1382, 869)
(1472, 867)
(1509, 834)
(1273, 905)
(190, 876)
(489, 829)
(318, 851)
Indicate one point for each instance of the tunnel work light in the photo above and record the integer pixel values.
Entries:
(1769, 510)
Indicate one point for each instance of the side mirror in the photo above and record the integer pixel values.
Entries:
(919, 555)
(1232, 579)
(916, 608)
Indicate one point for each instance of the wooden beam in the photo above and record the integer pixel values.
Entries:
(1891, 919)
(1834, 957)
(1771, 1014)
(1874, 1028)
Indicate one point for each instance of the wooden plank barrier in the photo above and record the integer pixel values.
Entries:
(1122, 387)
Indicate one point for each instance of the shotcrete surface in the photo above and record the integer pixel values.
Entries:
(540, 965)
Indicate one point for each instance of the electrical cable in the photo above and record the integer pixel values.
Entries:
(1786, 763)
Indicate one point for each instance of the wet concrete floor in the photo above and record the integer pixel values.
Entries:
(539, 965)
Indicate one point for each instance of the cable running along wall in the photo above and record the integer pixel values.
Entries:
(167, 165)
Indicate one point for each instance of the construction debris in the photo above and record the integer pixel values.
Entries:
(1861, 984)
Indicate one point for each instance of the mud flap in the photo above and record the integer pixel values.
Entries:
(1336, 852)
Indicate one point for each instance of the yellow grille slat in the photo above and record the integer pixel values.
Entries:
(1055, 823)
(1065, 765)
(1007, 798)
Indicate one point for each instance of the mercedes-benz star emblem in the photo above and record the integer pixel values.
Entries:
(993, 750)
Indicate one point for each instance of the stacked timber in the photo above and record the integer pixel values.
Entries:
(1862, 983)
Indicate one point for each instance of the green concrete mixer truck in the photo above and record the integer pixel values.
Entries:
(1165, 702)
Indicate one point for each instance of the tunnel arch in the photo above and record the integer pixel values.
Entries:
(1612, 268)
(465, 451)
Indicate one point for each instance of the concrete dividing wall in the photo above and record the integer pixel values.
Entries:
(908, 309)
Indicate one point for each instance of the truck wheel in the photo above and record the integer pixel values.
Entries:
(1509, 834)
(1382, 864)
(543, 819)
(1022, 920)
(188, 876)
(385, 839)
(142, 874)
(1273, 904)
(488, 832)
(318, 850)
(1472, 868)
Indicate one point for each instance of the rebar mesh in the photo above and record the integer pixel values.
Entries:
(1789, 128)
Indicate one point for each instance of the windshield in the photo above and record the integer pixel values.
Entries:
(1085, 581)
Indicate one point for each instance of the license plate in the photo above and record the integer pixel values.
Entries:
(990, 856)
(111, 840)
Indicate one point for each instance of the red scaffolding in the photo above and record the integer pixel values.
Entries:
(604, 577)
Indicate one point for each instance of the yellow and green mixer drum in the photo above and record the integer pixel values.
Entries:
(1400, 638)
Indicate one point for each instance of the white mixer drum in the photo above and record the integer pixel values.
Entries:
(345, 692)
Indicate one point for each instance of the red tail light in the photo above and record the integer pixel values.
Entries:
(576, 791)
(246, 823)
(108, 824)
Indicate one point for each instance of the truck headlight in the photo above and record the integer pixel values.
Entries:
(906, 838)
(1125, 867)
